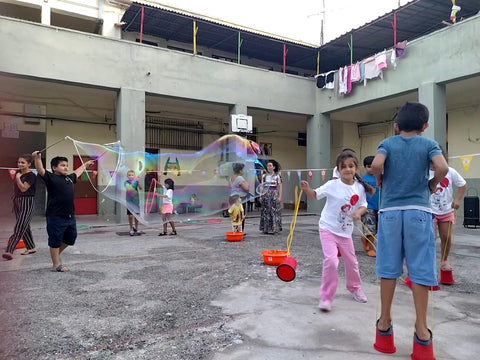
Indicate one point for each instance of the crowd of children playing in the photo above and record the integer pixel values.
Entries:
(406, 188)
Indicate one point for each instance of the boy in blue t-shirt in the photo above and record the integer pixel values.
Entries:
(405, 227)
(371, 216)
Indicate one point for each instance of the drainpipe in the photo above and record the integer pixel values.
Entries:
(99, 23)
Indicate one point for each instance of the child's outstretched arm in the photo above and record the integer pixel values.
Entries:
(305, 187)
(78, 171)
(37, 159)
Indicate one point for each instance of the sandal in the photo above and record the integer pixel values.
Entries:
(28, 252)
(163, 233)
(173, 233)
(61, 268)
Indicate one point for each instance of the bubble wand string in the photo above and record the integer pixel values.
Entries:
(119, 161)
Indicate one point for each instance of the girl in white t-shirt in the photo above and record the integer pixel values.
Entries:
(443, 206)
(167, 207)
(346, 202)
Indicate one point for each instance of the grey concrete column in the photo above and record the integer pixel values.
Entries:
(239, 109)
(318, 153)
(130, 118)
(433, 96)
(45, 13)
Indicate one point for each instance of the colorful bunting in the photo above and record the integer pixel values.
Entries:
(12, 173)
(324, 172)
(310, 174)
(466, 160)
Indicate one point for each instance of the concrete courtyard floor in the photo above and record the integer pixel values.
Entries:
(197, 296)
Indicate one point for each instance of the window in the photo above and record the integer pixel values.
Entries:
(302, 139)
(163, 133)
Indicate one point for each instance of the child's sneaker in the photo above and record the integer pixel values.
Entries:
(359, 296)
(132, 233)
(135, 232)
(325, 305)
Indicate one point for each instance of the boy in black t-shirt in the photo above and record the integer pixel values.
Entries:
(60, 214)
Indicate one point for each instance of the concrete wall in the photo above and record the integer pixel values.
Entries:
(70, 56)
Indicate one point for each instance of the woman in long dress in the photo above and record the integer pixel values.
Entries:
(271, 217)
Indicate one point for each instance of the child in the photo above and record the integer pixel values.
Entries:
(237, 215)
(371, 216)
(346, 202)
(443, 206)
(167, 207)
(133, 202)
(23, 205)
(60, 214)
(238, 188)
(405, 229)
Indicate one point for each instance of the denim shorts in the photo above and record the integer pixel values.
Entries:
(61, 230)
(406, 235)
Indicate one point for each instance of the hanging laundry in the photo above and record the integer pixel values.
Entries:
(400, 48)
(362, 71)
(349, 79)
(381, 60)
(371, 70)
(393, 59)
(325, 80)
(342, 80)
(355, 73)
(320, 80)
(330, 81)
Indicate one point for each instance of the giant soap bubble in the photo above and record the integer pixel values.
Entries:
(201, 179)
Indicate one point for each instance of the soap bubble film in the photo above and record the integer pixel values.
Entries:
(201, 179)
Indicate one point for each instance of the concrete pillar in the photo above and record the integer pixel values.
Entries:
(46, 13)
(239, 109)
(130, 116)
(318, 153)
(433, 96)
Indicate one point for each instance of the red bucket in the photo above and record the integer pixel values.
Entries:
(286, 270)
(446, 277)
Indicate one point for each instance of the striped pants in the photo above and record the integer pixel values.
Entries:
(23, 207)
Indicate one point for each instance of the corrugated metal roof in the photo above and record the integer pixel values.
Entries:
(414, 20)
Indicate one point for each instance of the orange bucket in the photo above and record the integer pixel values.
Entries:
(234, 236)
(273, 256)
(286, 270)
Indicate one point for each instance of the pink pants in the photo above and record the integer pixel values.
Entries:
(331, 243)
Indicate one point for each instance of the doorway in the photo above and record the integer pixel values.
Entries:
(85, 195)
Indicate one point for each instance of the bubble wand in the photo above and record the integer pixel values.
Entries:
(55, 143)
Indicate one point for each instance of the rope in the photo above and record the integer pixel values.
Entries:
(365, 236)
(294, 219)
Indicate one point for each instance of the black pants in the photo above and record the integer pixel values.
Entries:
(23, 207)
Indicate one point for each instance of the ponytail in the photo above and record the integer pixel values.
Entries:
(368, 188)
